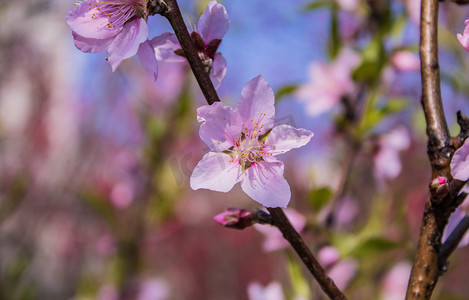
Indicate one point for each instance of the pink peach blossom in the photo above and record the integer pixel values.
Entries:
(117, 26)
(243, 143)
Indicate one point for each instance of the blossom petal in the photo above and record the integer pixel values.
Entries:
(89, 45)
(218, 70)
(464, 38)
(215, 172)
(284, 137)
(222, 126)
(264, 182)
(127, 42)
(214, 22)
(146, 54)
(271, 292)
(460, 163)
(257, 103)
(90, 23)
(165, 44)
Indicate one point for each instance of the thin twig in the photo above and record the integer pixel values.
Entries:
(173, 14)
(295, 240)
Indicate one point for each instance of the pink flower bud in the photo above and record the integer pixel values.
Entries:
(439, 187)
(236, 218)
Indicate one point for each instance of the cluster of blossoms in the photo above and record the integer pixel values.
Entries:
(244, 140)
(120, 27)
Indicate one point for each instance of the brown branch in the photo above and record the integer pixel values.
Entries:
(460, 2)
(173, 14)
(426, 269)
(289, 233)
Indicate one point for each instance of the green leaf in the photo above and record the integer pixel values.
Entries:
(394, 105)
(318, 198)
(320, 4)
(285, 91)
(299, 283)
(372, 246)
(376, 115)
(397, 26)
(334, 42)
(373, 60)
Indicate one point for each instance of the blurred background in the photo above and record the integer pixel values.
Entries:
(95, 200)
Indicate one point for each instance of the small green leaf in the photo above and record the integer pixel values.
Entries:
(299, 283)
(285, 91)
(394, 105)
(376, 115)
(318, 198)
(334, 42)
(373, 60)
(372, 246)
(320, 4)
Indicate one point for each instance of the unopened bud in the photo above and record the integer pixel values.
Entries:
(439, 187)
(236, 218)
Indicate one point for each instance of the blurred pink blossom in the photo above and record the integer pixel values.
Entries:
(405, 61)
(413, 10)
(243, 142)
(341, 271)
(106, 245)
(329, 83)
(387, 164)
(394, 285)
(153, 289)
(115, 176)
(328, 256)
(273, 237)
(273, 291)
(460, 163)
(348, 5)
(118, 27)
(345, 211)
(107, 292)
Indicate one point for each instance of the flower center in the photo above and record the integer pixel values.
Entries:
(117, 12)
(249, 149)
